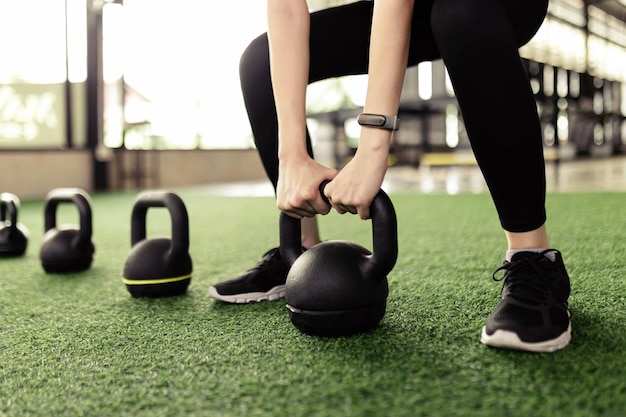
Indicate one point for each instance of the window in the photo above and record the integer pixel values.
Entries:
(34, 69)
(180, 62)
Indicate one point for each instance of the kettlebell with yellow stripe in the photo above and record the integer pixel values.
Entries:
(158, 267)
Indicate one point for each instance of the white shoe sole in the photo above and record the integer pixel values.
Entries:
(251, 297)
(508, 340)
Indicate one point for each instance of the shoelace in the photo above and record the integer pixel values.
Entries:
(525, 287)
(271, 256)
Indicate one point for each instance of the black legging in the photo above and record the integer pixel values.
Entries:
(478, 41)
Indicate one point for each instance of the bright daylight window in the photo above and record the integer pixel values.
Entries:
(180, 66)
(34, 68)
(179, 62)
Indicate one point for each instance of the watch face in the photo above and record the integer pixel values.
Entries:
(371, 120)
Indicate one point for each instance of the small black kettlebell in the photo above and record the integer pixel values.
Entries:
(13, 235)
(339, 288)
(67, 248)
(158, 267)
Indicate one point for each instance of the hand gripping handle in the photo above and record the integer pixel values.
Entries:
(384, 235)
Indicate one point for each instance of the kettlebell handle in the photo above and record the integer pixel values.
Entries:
(69, 195)
(9, 202)
(178, 213)
(384, 235)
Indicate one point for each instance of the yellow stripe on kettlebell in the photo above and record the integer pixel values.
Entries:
(155, 281)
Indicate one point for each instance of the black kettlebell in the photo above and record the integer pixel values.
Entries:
(67, 248)
(339, 288)
(158, 267)
(13, 235)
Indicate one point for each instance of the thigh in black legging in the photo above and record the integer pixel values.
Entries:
(340, 39)
(479, 42)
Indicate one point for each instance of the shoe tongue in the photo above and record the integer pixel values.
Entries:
(528, 254)
(524, 254)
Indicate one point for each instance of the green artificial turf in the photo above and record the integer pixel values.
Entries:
(80, 345)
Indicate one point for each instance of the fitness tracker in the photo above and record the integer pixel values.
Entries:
(380, 121)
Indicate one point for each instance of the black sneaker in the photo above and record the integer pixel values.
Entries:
(264, 281)
(533, 314)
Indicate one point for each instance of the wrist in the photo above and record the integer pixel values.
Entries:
(292, 154)
(292, 144)
(375, 140)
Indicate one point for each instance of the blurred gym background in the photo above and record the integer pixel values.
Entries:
(131, 94)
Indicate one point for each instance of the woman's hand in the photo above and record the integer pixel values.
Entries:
(357, 184)
(298, 193)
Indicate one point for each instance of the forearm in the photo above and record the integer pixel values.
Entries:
(389, 47)
(288, 33)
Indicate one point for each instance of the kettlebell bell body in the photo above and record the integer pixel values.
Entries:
(67, 248)
(158, 267)
(13, 235)
(339, 288)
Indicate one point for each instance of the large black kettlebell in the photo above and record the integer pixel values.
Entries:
(68, 247)
(339, 288)
(158, 267)
(13, 235)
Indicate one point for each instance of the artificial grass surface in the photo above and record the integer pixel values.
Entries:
(79, 345)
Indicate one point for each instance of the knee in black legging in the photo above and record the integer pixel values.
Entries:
(255, 63)
(481, 23)
(461, 25)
